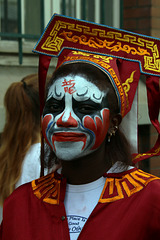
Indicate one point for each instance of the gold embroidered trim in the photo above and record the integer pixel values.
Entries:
(126, 84)
(154, 153)
(131, 183)
(99, 43)
(101, 38)
(47, 188)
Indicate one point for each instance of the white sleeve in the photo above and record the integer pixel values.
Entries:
(31, 165)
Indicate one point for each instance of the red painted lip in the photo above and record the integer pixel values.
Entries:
(69, 137)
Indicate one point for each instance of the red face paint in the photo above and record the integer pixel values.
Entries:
(71, 122)
(69, 137)
(45, 122)
(99, 127)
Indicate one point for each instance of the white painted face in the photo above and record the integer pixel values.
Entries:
(76, 118)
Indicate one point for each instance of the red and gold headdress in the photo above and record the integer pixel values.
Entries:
(122, 55)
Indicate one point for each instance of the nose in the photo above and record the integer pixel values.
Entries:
(67, 122)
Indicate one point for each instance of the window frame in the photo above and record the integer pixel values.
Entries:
(20, 46)
(49, 7)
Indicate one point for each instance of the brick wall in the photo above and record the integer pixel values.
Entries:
(137, 16)
(143, 16)
(155, 18)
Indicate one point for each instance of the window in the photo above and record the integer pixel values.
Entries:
(22, 21)
(20, 16)
(8, 17)
(100, 11)
(32, 17)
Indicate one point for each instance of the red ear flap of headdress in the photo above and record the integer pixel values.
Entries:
(129, 74)
(44, 62)
(153, 94)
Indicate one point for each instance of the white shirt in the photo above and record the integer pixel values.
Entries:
(31, 165)
(80, 200)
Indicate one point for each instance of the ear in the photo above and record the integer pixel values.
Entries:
(116, 120)
(114, 124)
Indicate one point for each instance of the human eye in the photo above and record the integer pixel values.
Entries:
(53, 106)
(86, 109)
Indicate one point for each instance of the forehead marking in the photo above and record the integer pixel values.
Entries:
(69, 86)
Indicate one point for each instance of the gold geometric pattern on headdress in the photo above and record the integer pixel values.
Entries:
(98, 43)
(53, 42)
(104, 58)
(65, 32)
(152, 63)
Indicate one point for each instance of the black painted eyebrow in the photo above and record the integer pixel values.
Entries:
(89, 102)
(57, 95)
(83, 94)
(52, 99)
(94, 96)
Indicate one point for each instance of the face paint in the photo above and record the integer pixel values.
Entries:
(76, 118)
(99, 126)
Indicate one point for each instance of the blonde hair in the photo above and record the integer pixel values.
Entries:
(20, 131)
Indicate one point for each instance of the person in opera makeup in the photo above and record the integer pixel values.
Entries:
(79, 115)
(95, 190)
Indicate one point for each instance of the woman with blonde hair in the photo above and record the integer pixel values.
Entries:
(20, 148)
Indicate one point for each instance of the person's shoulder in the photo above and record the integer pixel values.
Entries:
(151, 190)
(150, 184)
(133, 182)
(47, 188)
(143, 174)
(143, 178)
(19, 194)
(37, 189)
(134, 174)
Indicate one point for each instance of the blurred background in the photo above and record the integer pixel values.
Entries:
(23, 21)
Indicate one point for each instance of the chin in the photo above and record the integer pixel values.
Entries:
(66, 155)
(69, 151)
